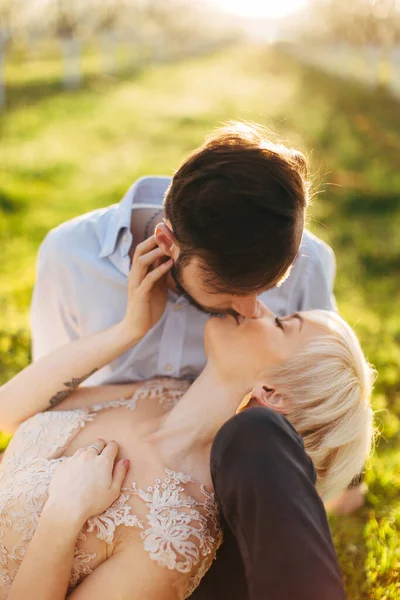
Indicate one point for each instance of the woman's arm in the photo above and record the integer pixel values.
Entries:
(82, 486)
(53, 378)
(130, 574)
(48, 561)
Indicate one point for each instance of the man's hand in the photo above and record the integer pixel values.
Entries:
(147, 288)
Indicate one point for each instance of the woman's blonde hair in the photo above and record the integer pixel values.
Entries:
(327, 386)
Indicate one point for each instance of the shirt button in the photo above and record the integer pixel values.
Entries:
(177, 307)
(168, 367)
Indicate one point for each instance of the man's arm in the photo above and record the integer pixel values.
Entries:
(264, 482)
(53, 322)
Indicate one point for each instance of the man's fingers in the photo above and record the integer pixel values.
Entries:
(156, 274)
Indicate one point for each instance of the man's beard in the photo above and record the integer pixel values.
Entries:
(176, 273)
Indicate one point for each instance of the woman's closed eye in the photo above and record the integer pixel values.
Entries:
(279, 322)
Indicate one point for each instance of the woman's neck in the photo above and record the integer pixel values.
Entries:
(201, 412)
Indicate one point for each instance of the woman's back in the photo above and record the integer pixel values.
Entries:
(172, 518)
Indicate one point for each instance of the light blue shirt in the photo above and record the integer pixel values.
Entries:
(81, 288)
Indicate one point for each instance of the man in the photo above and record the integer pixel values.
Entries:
(233, 221)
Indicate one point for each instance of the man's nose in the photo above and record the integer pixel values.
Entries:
(247, 307)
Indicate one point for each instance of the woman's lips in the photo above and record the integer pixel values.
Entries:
(239, 319)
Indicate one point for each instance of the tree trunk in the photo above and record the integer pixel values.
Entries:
(2, 81)
(109, 47)
(3, 43)
(72, 69)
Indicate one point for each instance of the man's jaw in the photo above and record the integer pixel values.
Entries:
(178, 287)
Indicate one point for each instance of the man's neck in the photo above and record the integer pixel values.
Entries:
(143, 223)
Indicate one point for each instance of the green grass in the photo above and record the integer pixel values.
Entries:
(63, 154)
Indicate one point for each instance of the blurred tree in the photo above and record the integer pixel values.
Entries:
(10, 11)
(66, 24)
(109, 15)
(372, 26)
(154, 30)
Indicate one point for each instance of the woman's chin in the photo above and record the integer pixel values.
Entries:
(216, 333)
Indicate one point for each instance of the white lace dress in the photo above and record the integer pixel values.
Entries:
(179, 531)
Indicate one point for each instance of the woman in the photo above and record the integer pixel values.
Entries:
(149, 528)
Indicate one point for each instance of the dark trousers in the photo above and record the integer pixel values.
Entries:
(278, 544)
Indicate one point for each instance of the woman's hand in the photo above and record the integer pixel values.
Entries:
(147, 288)
(73, 363)
(86, 483)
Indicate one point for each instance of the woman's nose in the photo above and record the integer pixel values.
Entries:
(264, 311)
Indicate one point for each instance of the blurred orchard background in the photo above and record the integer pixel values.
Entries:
(95, 94)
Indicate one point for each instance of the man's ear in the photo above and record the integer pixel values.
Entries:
(166, 240)
(269, 397)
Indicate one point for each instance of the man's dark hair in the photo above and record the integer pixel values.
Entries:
(238, 204)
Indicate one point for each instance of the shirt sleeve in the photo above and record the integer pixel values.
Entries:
(53, 322)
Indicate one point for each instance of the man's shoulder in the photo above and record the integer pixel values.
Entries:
(90, 229)
(315, 256)
(84, 230)
(314, 249)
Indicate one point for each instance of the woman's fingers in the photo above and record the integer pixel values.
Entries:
(110, 451)
(146, 260)
(145, 246)
(79, 451)
(100, 443)
(119, 474)
(156, 274)
(142, 264)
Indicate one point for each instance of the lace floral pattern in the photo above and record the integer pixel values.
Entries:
(178, 531)
(117, 514)
(166, 391)
(182, 532)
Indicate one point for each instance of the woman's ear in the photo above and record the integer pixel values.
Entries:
(166, 240)
(269, 397)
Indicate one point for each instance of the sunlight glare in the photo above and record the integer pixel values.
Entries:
(261, 8)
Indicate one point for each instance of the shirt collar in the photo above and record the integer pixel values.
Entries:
(148, 190)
